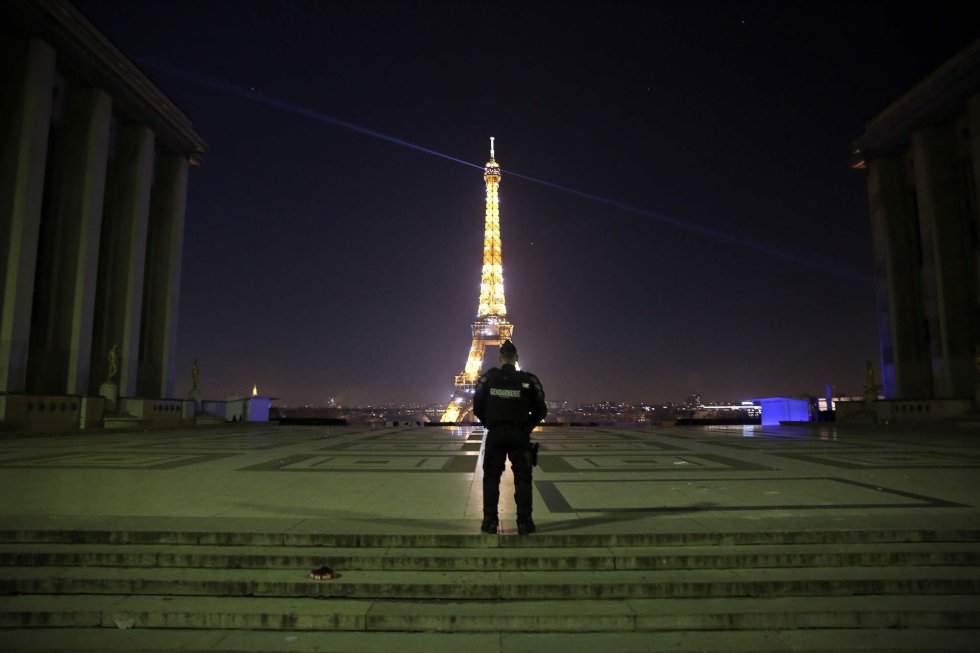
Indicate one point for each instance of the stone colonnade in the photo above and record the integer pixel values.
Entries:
(924, 202)
(91, 224)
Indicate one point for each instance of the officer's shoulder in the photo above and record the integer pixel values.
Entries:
(490, 372)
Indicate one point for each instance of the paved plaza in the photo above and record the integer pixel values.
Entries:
(428, 479)
(722, 538)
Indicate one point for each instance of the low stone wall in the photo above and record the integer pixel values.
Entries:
(902, 411)
(40, 413)
(22, 413)
(159, 412)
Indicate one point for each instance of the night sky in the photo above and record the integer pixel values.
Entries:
(730, 254)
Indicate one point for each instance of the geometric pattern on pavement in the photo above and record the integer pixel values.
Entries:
(582, 469)
(113, 460)
(413, 446)
(368, 463)
(646, 462)
(788, 443)
(889, 460)
(699, 495)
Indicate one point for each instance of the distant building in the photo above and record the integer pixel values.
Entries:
(922, 156)
(93, 179)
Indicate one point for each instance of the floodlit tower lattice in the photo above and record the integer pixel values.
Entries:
(491, 326)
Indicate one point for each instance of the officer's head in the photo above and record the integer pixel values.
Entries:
(508, 353)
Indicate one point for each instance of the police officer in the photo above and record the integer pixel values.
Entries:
(510, 404)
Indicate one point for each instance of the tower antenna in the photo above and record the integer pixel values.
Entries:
(491, 148)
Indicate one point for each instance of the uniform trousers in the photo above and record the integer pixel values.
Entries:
(503, 442)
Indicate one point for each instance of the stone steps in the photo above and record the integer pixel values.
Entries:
(467, 592)
(542, 539)
(241, 641)
(493, 585)
(496, 559)
(632, 615)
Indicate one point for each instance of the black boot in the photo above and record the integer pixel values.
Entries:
(525, 526)
(490, 525)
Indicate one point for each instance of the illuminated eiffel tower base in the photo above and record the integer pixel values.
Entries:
(491, 327)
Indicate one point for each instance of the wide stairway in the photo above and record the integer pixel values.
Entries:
(820, 590)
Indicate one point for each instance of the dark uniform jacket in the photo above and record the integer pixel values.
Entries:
(506, 396)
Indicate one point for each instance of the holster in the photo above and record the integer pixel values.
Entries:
(531, 454)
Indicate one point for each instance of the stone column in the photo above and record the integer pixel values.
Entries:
(974, 119)
(122, 251)
(947, 260)
(161, 283)
(61, 332)
(25, 118)
(906, 360)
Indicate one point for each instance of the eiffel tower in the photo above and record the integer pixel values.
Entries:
(491, 326)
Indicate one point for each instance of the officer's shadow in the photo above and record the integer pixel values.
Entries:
(620, 517)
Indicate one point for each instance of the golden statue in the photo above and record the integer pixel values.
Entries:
(113, 363)
(195, 375)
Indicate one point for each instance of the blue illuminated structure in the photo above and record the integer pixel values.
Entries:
(782, 409)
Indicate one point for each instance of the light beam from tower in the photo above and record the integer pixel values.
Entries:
(491, 326)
